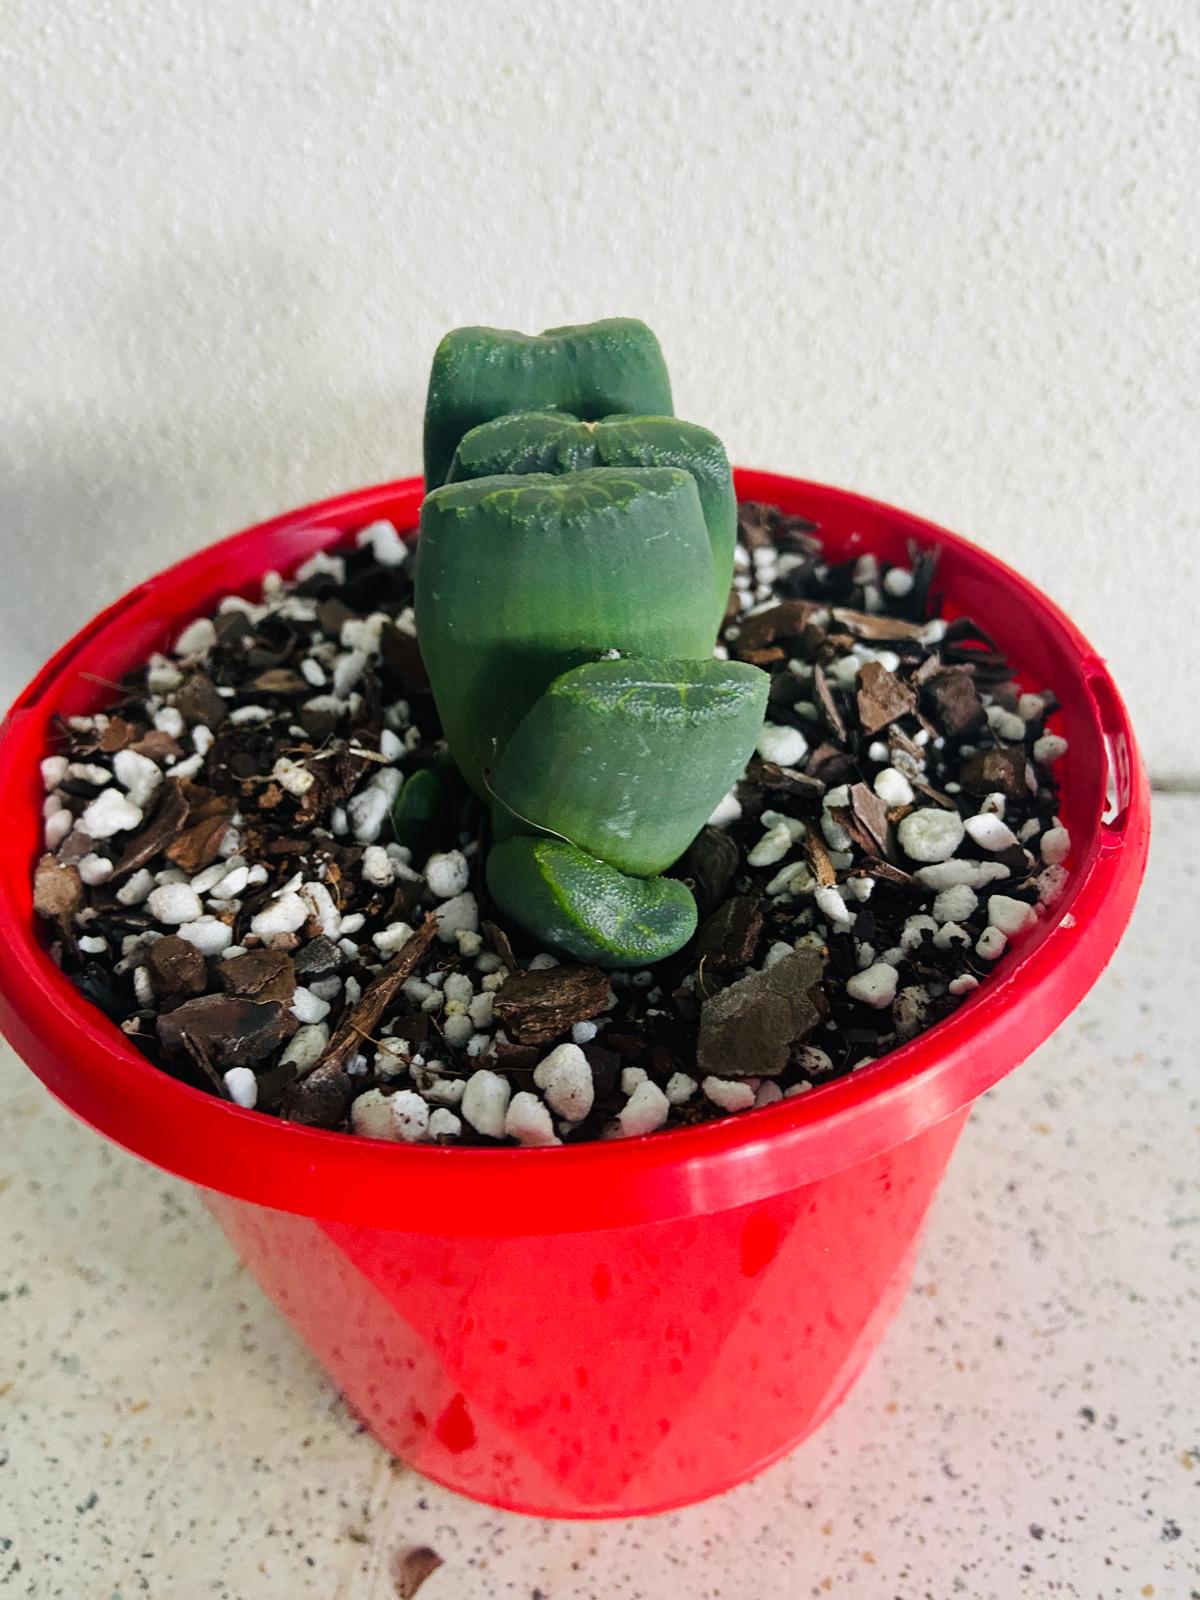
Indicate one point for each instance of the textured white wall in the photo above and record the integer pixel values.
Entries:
(942, 252)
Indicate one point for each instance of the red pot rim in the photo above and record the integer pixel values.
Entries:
(86, 1061)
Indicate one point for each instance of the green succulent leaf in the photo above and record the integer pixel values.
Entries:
(421, 816)
(520, 578)
(549, 441)
(587, 909)
(590, 370)
(628, 758)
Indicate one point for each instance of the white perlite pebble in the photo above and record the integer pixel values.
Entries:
(893, 788)
(136, 888)
(1030, 706)
(443, 1124)
(170, 722)
(1055, 846)
(371, 1116)
(90, 772)
(392, 1057)
(728, 810)
(447, 875)
(137, 775)
(457, 915)
(386, 544)
(930, 834)
(95, 945)
(410, 1116)
(874, 987)
(565, 1078)
(990, 832)
(646, 1109)
(242, 1086)
(481, 1006)
(174, 903)
(392, 938)
(1005, 724)
(963, 984)
(143, 989)
(784, 746)
(898, 582)
(197, 637)
(110, 812)
(209, 878)
(1049, 749)
(997, 803)
(54, 770)
(231, 885)
(1009, 915)
(347, 672)
(583, 1032)
(457, 1030)
(293, 776)
(795, 878)
(287, 914)
(1051, 884)
(320, 904)
(991, 944)
(836, 836)
(729, 1093)
(830, 902)
(485, 1102)
(528, 1122)
(768, 1094)
(307, 1046)
(955, 904)
(948, 874)
(814, 1061)
(95, 870)
(308, 1007)
(950, 935)
(367, 811)
(680, 1088)
(772, 847)
(58, 826)
(161, 675)
(208, 935)
(457, 986)
(376, 866)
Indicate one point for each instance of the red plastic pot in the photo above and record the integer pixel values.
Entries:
(616, 1328)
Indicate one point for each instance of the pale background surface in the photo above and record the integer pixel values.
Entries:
(944, 253)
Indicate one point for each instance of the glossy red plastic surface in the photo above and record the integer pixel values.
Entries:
(612, 1328)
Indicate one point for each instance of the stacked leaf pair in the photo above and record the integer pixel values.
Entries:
(575, 560)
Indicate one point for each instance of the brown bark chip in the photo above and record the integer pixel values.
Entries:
(176, 968)
(882, 698)
(230, 1032)
(533, 1006)
(748, 1030)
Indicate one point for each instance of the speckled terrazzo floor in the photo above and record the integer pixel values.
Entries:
(1030, 1428)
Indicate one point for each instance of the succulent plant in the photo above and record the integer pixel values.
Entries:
(572, 570)
(552, 441)
(591, 370)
